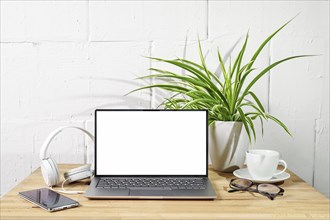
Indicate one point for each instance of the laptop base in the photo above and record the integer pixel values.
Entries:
(107, 193)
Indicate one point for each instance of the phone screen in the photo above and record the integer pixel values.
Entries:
(48, 199)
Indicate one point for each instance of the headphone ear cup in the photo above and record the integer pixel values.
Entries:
(78, 173)
(50, 172)
(57, 177)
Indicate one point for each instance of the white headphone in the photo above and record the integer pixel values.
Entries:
(49, 167)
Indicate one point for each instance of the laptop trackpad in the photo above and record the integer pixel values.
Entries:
(146, 192)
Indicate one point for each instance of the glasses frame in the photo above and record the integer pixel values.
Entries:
(271, 196)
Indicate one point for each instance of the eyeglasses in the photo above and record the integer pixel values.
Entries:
(266, 189)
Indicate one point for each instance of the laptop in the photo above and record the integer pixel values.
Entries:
(151, 154)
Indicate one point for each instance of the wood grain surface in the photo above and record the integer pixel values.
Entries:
(300, 201)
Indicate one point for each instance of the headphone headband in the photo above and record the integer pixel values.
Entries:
(51, 136)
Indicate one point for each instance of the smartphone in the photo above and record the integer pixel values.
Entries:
(48, 200)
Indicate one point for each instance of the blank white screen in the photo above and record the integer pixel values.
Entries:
(151, 142)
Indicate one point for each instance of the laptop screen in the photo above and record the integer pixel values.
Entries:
(151, 143)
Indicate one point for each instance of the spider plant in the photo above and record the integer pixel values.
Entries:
(227, 98)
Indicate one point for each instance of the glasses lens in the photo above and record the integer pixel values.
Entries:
(268, 188)
(241, 183)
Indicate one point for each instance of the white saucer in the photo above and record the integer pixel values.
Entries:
(244, 174)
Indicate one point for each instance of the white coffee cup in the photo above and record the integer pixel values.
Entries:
(262, 164)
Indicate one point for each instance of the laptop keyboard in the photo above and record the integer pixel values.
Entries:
(151, 183)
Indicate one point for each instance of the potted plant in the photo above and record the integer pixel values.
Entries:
(231, 103)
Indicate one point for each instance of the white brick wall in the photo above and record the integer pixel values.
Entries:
(146, 20)
(36, 21)
(62, 59)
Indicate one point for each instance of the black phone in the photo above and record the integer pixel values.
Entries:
(48, 199)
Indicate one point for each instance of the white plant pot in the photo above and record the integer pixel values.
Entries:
(228, 143)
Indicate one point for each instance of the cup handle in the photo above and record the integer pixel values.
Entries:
(282, 171)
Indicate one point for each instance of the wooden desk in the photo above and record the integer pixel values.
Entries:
(300, 201)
